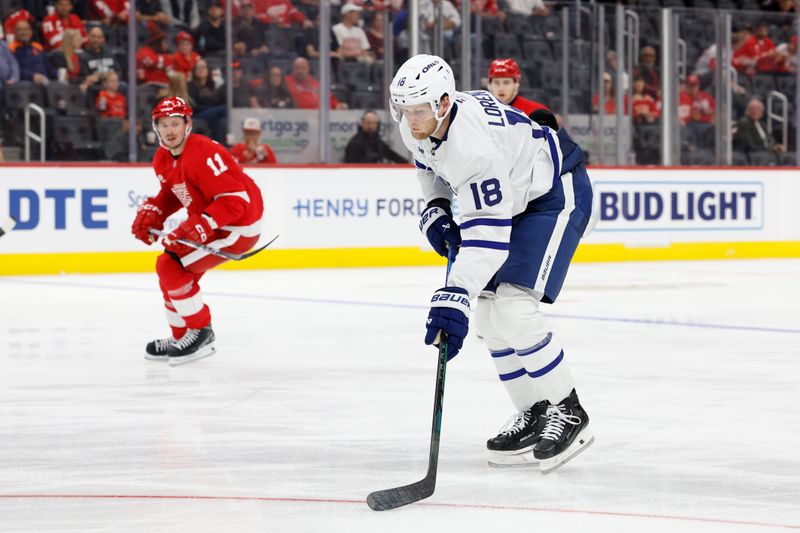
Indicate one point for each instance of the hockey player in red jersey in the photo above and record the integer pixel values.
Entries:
(504, 76)
(224, 208)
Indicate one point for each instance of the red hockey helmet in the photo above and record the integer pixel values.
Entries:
(172, 106)
(504, 68)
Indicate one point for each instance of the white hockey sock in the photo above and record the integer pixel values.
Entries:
(514, 377)
(546, 370)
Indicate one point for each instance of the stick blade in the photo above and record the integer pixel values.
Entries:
(384, 500)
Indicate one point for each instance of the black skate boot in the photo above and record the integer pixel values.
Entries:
(514, 444)
(157, 349)
(195, 344)
(566, 434)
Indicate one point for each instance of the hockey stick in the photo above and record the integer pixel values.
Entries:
(220, 253)
(383, 500)
(7, 225)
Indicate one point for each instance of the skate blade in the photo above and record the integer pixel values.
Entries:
(517, 459)
(202, 353)
(581, 442)
(151, 357)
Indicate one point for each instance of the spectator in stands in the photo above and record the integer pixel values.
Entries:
(645, 108)
(178, 86)
(64, 61)
(148, 11)
(485, 8)
(11, 23)
(109, 12)
(282, 13)
(208, 99)
(375, 35)
(110, 103)
(185, 58)
(61, 19)
(610, 103)
(251, 150)
(30, 55)
(451, 19)
(786, 57)
(305, 89)
(249, 32)
(648, 72)
(9, 72)
(97, 58)
(751, 135)
(184, 13)
(272, 91)
(153, 61)
(536, 8)
(242, 90)
(366, 146)
(694, 104)
(757, 51)
(351, 41)
(210, 35)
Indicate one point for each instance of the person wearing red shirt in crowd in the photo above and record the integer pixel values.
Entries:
(185, 58)
(224, 208)
(610, 102)
(504, 76)
(53, 26)
(110, 102)
(252, 150)
(281, 13)
(305, 89)
(757, 52)
(694, 104)
(153, 63)
(11, 22)
(109, 11)
(645, 108)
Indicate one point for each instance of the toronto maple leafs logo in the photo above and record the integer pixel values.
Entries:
(182, 193)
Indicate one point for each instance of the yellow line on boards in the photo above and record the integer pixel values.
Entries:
(111, 262)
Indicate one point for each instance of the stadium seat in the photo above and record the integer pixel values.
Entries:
(74, 140)
(763, 159)
(763, 84)
(519, 26)
(786, 85)
(354, 74)
(788, 159)
(20, 94)
(698, 157)
(369, 99)
(535, 49)
(507, 46)
(66, 98)
(740, 159)
(252, 67)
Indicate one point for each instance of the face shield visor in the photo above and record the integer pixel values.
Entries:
(414, 114)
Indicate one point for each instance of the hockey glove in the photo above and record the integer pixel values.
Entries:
(449, 313)
(438, 226)
(148, 216)
(196, 228)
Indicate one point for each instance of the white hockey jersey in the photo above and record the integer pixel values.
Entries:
(496, 160)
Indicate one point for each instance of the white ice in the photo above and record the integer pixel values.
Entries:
(322, 391)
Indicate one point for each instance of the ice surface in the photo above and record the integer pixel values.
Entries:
(321, 392)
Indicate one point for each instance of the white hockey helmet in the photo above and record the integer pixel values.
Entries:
(423, 79)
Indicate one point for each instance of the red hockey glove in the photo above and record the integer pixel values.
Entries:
(196, 228)
(147, 216)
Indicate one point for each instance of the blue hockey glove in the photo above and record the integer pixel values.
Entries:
(438, 226)
(449, 313)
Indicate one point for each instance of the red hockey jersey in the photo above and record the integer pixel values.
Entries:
(206, 179)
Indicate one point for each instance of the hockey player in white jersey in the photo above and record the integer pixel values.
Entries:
(524, 202)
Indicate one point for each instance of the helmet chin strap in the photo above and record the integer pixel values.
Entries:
(436, 116)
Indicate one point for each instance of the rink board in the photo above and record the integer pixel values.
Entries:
(77, 218)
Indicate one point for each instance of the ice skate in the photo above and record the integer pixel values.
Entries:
(195, 344)
(566, 434)
(513, 446)
(157, 350)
